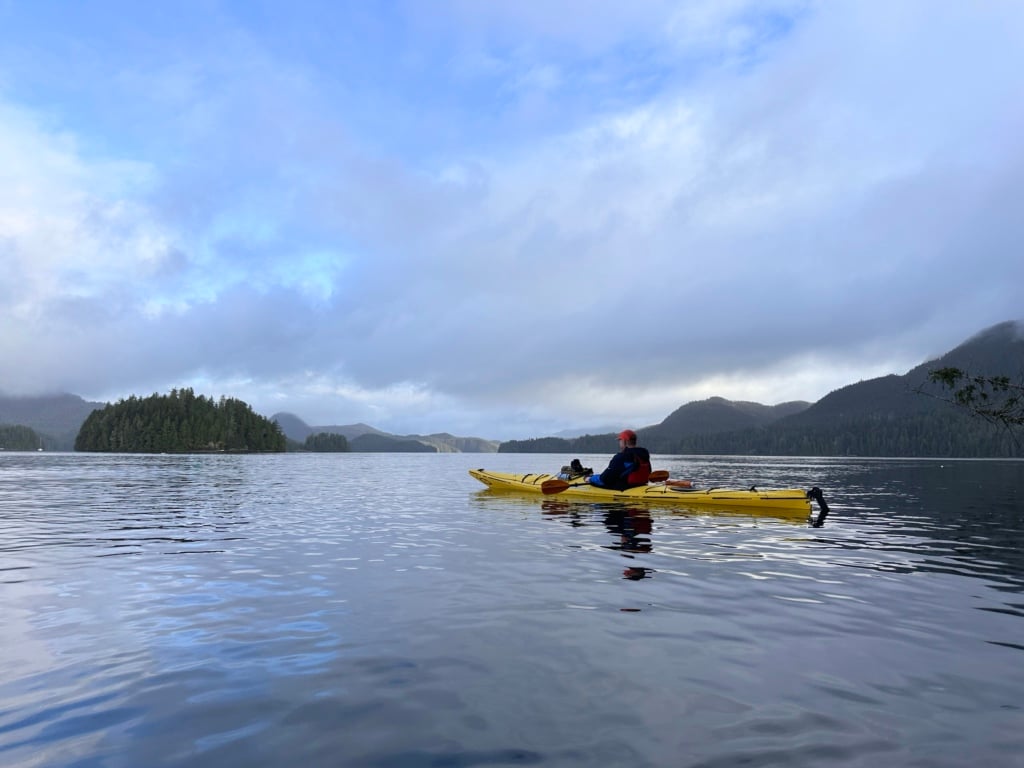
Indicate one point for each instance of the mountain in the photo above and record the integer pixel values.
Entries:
(700, 417)
(445, 443)
(998, 350)
(296, 429)
(57, 418)
(716, 414)
(351, 431)
(371, 443)
(894, 415)
(293, 427)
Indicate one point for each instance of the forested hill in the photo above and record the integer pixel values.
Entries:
(16, 438)
(702, 417)
(370, 443)
(181, 422)
(998, 350)
(887, 416)
(56, 418)
(716, 414)
(936, 429)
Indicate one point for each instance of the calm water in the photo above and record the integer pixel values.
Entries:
(382, 610)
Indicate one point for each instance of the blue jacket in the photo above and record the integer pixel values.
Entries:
(629, 467)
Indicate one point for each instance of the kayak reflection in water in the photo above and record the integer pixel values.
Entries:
(632, 529)
(563, 509)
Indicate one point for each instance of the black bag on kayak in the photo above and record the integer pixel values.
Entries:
(574, 470)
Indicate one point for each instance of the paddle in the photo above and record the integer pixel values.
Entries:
(549, 487)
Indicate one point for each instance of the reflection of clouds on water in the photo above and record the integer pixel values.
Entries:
(957, 516)
(353, 592)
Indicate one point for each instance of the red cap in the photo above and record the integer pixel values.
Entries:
(627, 434)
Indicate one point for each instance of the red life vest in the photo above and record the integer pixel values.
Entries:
(642, 473)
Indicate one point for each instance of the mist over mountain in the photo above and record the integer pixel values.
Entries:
(57, 418)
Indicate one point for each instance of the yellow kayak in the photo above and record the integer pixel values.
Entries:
(788, 502)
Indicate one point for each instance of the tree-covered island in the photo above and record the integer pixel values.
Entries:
(181, 422)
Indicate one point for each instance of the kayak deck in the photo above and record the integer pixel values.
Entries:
(788, 502)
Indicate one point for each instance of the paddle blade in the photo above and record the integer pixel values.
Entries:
(658, 476)
(549, 487)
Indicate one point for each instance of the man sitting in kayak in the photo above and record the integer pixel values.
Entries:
(630, 467)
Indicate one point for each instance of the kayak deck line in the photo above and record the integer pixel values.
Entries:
(785, 501)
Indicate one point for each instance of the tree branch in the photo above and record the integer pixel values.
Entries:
(995, 399)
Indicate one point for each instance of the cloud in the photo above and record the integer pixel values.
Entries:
(508, 220)
(69, 229)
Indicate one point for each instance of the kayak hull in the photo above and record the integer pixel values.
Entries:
(788, 502)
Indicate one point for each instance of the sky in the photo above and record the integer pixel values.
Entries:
(502, 219)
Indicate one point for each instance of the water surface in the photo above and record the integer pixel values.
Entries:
(383, 610)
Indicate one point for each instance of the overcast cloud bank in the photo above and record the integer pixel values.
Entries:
(501, 220)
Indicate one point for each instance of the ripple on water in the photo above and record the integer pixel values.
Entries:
(259, 611)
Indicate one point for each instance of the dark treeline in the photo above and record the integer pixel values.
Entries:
(371, 443)
(181, 422)
(18, 438)
(326, 442)
(946, 435)
(584, 444)
(938, 434)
